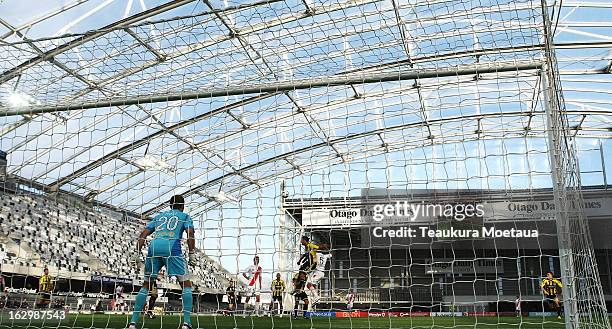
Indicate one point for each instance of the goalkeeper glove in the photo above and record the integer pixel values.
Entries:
(191, 259)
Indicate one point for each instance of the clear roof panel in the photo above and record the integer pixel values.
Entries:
(135, 155)
(42, 19)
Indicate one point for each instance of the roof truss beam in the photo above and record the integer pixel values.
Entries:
(281, 86)
(318, 130)
(160, 57)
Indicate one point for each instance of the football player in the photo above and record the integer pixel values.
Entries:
(165, 250)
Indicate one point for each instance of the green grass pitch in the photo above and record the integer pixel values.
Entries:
(226, 322)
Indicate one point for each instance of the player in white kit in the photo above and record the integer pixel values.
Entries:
(119, 299)
(250, 277)
(350, 298)
(315, 276)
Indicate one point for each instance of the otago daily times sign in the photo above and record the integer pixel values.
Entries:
(420, 218)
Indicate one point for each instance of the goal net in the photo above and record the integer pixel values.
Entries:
(394, 163)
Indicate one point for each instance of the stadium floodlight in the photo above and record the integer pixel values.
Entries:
(224, 197)
(17, 99)
(220, 197)
(150, 162)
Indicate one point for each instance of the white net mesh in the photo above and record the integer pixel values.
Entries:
(282, 119)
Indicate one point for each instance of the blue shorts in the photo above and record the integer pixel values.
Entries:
(175, 266)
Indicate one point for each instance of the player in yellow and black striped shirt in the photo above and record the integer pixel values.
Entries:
(45, 287)
(278, 289)
(153, 295)
(308, 261)
(551, 288)
(299, 284)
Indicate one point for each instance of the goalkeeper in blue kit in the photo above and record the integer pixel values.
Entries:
(165, 250)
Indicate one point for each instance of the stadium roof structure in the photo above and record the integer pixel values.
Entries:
(206, 96)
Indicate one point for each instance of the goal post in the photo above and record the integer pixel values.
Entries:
(583, 298)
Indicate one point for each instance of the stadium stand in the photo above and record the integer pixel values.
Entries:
(36, 231)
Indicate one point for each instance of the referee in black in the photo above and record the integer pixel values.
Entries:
(231, 297)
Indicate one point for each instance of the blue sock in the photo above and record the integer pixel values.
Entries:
(187, 304)
(141, 299)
